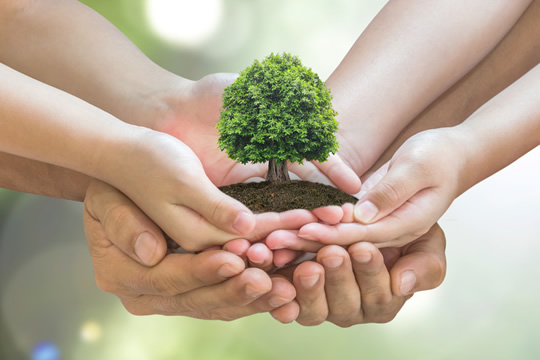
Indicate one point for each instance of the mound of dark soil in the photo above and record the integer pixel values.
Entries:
(295, 194)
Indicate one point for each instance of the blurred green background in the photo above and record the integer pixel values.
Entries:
(486, 309)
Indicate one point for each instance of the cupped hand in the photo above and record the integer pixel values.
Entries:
(364, 284)
(129, 255)
(404, 198)
(193, 120)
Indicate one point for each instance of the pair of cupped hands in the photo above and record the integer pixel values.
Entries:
(369, 257)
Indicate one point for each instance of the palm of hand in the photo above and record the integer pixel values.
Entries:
(419, 182)
(193, 121)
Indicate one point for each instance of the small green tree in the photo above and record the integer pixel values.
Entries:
(277, 110)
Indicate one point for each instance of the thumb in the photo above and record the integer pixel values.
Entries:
(341, 174)
(422, 266)
(124, 224)
(393, 189)
(219, 209)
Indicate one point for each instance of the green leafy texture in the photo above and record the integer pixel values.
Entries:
(277, 109)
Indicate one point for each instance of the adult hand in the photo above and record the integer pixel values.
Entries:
(128, 252)
(193, 118)
(364, 284)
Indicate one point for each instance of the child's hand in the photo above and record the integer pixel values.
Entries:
(403, 199)
(128, 252)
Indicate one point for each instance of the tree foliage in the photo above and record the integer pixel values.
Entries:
(277, 109)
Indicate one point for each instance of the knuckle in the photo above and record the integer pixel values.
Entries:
(342, 319)
(384, 317)
(343, 323)
(391, 193)
(105, 285)
(222, 315)
(218, 208)
(116, 217)
(377, 299)
(440, 269)
(188, 304)
(164, 285)
(137, 310)
(311, 321)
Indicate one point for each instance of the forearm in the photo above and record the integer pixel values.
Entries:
(30, 176)
(42, 123)
(501, 131)
(407, 57)
(516, 54)
(69, 46)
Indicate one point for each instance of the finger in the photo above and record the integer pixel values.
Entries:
(266, 223)
(278, 299)
(124, 224)
(204, 301)
(287, 313)
(378, 303)
(217, 208)
(283, 257)
(342, 291)
(370, 179)
(348, 216)
(329, 214)
(308, 171)
(197, 233)
(260, 256)
(339, 234)
(288, 239)
(308, 279)
(422, 266)
(410, 221)
(340, 174)
(238, 247)
(400, 183)
(280, 296)
(180, 273)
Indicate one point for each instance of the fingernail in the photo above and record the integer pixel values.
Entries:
(309, 281)
(256, 262)
(362, 257)
(276, 301)
(365, 212)
(307, 237)
(408, 280)
(243, 223)
(332, 262)
(145, 247)
(253, 292)
(227, 271)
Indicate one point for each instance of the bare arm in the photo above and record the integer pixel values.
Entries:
(71, 47)
(516, 54)
(49, 41)
(408, 56)
(35, 177)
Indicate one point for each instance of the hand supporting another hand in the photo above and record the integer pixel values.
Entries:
(364, 284)
(123, 244)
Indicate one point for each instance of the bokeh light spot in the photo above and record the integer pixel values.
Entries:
(184, 22)
(45, 351)
(90, 332)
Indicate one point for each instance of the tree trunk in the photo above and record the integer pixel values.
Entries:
(277, 172)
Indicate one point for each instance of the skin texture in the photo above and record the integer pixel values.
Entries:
(162, 102)
(407, 195)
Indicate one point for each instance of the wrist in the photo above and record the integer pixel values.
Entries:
(469, 156)
(152, 106)
(116, 153)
